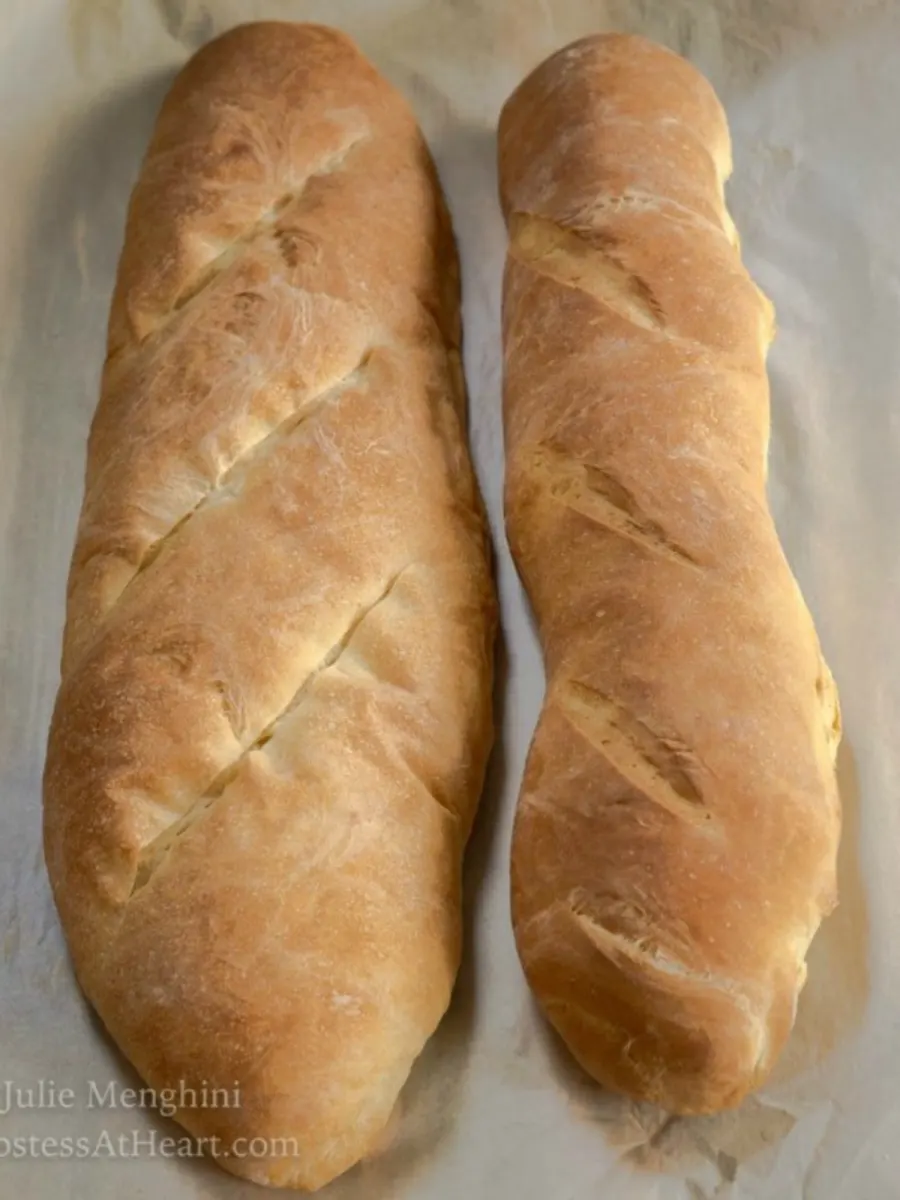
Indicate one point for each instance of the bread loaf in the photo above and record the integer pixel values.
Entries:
(274, 714)
(675, 839)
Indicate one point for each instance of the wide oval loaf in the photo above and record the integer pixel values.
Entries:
(676, 835)
(274, 715)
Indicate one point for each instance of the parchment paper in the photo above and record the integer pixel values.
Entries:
(495, 1108)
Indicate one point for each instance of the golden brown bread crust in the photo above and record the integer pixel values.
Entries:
(675, 840)
(274, 715)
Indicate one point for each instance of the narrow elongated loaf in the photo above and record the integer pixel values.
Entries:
(274, 715)
(675, 840)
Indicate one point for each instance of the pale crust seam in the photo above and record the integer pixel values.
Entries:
(599, 496)
(663, 769)
(154, 852)
(235, 250)
(260, 449)
(577, 259)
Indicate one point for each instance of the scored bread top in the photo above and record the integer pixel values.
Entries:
(675, 842)
(274, 714)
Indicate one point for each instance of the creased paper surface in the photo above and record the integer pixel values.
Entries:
(495, 1108)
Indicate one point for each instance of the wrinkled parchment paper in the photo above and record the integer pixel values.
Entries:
(494, 1109)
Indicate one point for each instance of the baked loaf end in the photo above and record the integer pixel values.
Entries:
(675, 840)
(274, 716)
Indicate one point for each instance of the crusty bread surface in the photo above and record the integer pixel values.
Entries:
(675, 840)
(274, 715)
